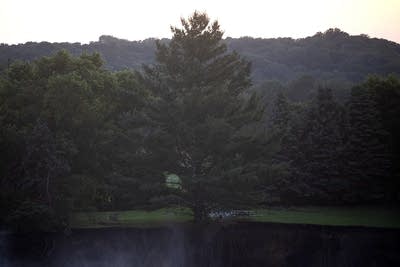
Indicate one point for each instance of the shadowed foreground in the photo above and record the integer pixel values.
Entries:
(237, 244)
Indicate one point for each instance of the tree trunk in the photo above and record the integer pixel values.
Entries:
(200, 212)
(48, 196)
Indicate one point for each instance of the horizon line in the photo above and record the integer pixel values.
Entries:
(224, 38)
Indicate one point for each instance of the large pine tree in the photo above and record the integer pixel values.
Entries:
(197, 108)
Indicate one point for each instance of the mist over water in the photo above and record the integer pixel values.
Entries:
(244, 244)
(3, 249)
(119, 248)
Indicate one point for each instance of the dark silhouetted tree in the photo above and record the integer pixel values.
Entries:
(197, 104)
(368, 157)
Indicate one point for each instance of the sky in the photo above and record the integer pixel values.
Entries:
(85, 20)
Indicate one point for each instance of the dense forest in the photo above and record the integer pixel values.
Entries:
(91, 128)
(332, 55)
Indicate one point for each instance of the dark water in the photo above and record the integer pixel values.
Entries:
(240, 244)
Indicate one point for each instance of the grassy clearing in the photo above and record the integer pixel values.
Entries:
(335, 216)
(130, 218)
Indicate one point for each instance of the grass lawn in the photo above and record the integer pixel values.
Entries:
(337, 216)
(129, 218)
(340, 216)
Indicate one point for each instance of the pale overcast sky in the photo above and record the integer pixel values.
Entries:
(85, 20)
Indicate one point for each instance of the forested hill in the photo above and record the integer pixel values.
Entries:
(333, 54)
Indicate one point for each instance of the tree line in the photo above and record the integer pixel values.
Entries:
(76, 136)
(331, 55)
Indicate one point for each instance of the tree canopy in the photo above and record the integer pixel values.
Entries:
(189, 130)
(197, 86)
(329, 55)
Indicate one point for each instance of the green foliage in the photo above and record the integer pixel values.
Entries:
(314, 148)
(332, 55)
(68, 137)
(75, 136)
(197, 86)
(386, 93)
(340, 154)
(368, 154)
(281, 113)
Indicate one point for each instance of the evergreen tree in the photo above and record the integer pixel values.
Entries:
(314, 147)
(197, 109)
(280, 113)
(325, 122)
(386, 92)
(368, 160)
